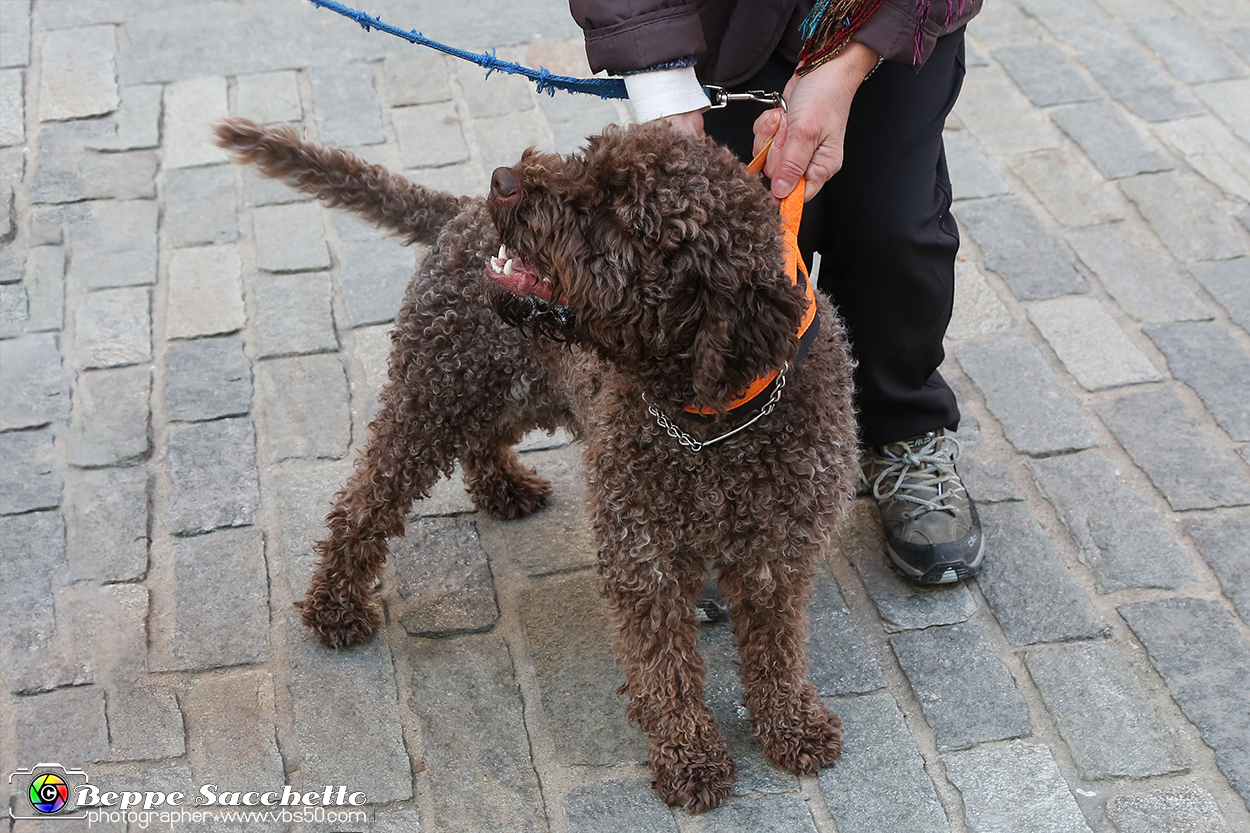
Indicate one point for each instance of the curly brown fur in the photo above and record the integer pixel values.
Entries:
(655, 259)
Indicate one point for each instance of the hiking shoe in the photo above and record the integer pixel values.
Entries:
(710, 608)
(932, 532)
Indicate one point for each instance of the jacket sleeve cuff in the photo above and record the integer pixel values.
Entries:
(666, 92)
(891, 33)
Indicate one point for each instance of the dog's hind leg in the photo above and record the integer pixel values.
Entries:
(657, 645)
(500, 484)
(769, 609)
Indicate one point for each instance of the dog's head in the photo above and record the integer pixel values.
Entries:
(655, 249)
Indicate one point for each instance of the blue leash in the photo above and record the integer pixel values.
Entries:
(546, 81)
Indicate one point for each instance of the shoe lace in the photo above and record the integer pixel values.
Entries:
(925, 465)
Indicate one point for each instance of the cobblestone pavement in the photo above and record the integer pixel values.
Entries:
(189, 354)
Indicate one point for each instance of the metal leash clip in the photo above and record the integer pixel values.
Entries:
(719, 96)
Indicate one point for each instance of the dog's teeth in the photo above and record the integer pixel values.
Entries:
(507, 267)
(503, 252)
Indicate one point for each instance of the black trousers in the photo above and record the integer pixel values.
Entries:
(885, 233)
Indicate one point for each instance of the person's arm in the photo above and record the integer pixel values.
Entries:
(650, 43)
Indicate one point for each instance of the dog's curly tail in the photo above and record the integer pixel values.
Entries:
(340, 178)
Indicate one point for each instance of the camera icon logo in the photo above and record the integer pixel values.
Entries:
(49, 790)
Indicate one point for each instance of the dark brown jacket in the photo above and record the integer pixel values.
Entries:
(731, 39)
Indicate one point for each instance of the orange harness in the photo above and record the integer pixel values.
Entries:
(791, 214)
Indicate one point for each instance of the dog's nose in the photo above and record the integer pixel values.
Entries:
(503, 183)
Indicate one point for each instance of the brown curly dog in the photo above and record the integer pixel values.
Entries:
(647, 275)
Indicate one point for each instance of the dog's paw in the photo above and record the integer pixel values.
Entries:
(512, 498)
(338, 624)
(809, 746)
(697, 785)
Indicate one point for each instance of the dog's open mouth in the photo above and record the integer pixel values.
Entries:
(518, 276)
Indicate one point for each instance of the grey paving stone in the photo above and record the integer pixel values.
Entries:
(108, 424)
(1229, 283)
(573, 120)
(269, 97)
(838, 659)
(205, 292)
(231, 734)
(1070, 187)
(1138, 273)
(570, 639)
(1107, 138)
(107, 524)
(951, 669)
(136, 122)
(78, 73)
(146, 725)
(294, 315)
(199, 206)
(102, 629)
(1091, 344)
(113, 328)
(374, 276)
(1120, 536)
(1045, 74)
(220, 614)
(1222, 541)
(877, 749)
(115, 245)
(429, 135)
(526, 543)
(504, 138)
(1186, 214)
(29, 479)
(1081, 24)
(972, 175)
(346, 718)
(191, 107)
(723, 692)
(346, 105)
(418, 77)
(978, 310)
(1179, 810)
(1028, 586)
(1238, 39)
(1205, 356)
(1016, 787)
(290, 238)
(1020, 250)
(987, 480)
(49, 223)
(12, 108)
(32, 567)
(465, 687)
(212, 472)
(304, 406)
(501, 97)
(1038, 415)
(1137, 83)
(259, 190)
(65, 171)
(64, 725)
(304, 490)
(36, 390)
(618, 807)
(1191, 54)
(444, 579)
(1212, 686)
(775, 814)
(14, 310)
(15, 33)
(1102, 712)
(207, 378)
(1165, 441)
(1230, 100)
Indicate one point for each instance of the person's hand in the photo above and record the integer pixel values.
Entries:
(691, 122)
(807, 138)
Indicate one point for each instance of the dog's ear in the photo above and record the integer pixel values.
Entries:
(743, 335)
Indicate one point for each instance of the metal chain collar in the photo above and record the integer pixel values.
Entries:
(695, 445)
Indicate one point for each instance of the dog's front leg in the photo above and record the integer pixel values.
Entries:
(657, 645)
(768, 603)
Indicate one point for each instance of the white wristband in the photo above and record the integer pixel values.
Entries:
(665, 92)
